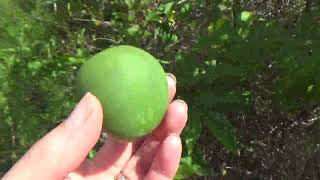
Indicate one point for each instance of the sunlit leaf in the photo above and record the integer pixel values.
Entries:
(133, 29)
(246, 16)
(188, 167)
(153, 16)
(167, 8)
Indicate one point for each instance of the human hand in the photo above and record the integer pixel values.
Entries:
(61, 154)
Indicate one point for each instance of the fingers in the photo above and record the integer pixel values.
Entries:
(139, 164)
(65, 147)
(114, 154)
(175, 120)
(110, 159)
(166, 161)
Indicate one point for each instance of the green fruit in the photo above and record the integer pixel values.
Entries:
(132, 88)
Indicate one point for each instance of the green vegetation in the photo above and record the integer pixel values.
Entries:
(247, 70)
(131, 86)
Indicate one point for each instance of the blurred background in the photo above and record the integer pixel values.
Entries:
(248, 70)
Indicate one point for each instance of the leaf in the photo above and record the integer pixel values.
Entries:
(2, 97)
(310, 88)
(131, 15)
(188, 167)
(145, 2)
(185, 169)
(130, 3)
(34, 66)
(192, 131)
(167, 8)
(6, 41)
(186, 8)
(226, 102)
(92, 154)
(221, 128)
(133, 29)
(153, 16)
(246, 16)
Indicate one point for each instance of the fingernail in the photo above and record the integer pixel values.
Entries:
(81, 112)
(182, 103)
(172, 80)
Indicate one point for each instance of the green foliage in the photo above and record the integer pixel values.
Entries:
(220, 126)
(229, 62)
(37, 76)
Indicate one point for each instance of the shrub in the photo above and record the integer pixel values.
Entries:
(250, 81)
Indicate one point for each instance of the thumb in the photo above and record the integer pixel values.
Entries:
(65, 147)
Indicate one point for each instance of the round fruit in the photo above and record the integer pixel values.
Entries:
(131, 86)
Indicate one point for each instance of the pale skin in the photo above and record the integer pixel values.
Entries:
(61, 154)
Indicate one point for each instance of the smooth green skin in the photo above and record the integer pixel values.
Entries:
(132, 88)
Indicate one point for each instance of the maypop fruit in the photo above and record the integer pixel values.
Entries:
(131, 86)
